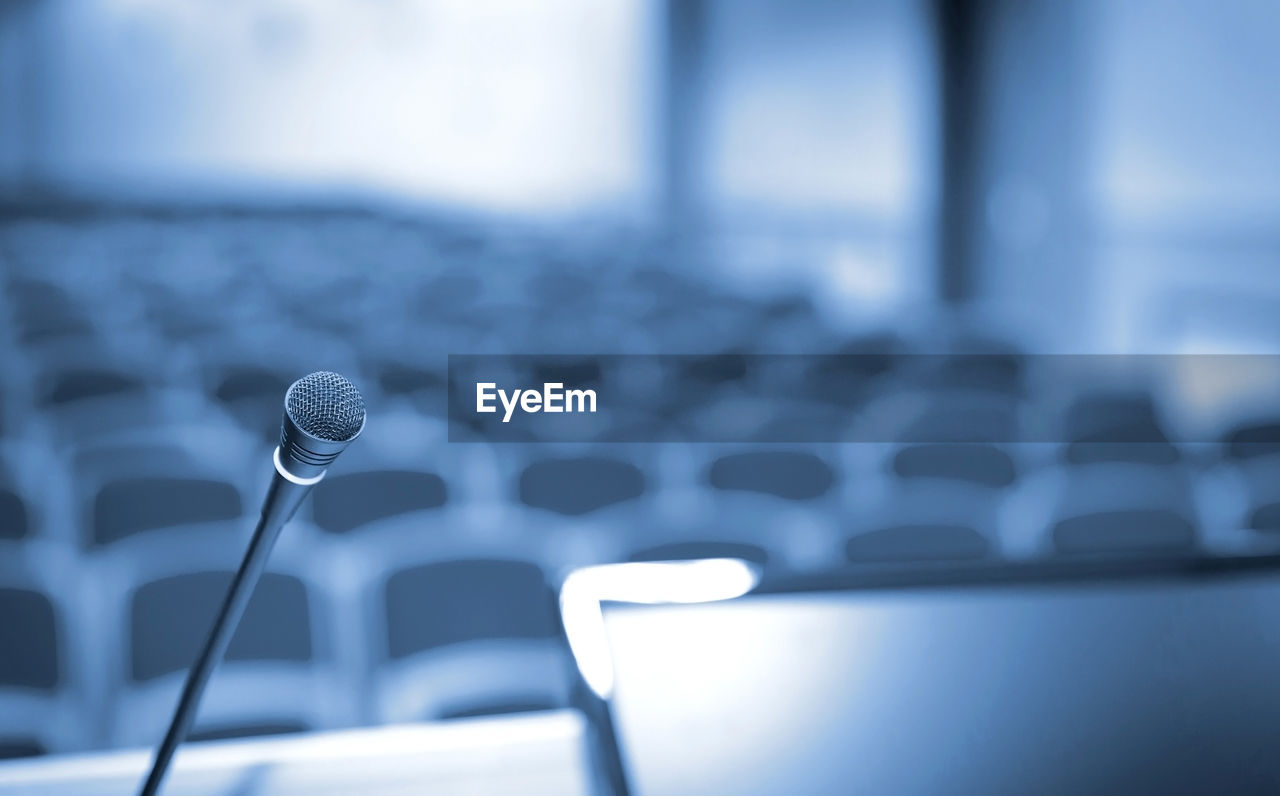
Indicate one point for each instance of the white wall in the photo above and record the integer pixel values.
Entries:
(1186, 176)
(820, 106)
(521, 106)
(1188, 111)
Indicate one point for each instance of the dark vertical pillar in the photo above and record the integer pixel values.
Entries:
(682, 83)
(960, 42)
(24, 101)
(1014, 227)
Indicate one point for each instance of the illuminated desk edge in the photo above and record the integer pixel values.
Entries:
(362, 744)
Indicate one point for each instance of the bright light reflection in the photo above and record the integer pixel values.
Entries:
(649, 583)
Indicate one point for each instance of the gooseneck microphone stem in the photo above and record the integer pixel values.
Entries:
(282, 501)
(323, 413)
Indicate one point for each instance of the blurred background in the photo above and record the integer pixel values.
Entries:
(200, 202)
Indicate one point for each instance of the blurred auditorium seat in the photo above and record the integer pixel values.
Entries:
(854, 370)
(1252, 441)
(424, 386)
(702, 382)
(70, 387)
(277, 674)
(1251, 452)
(371, 515)
(399, 378)
(14, 517)
(988, 385)
(956, 417)
(254, 396)
(941, 503)
(167, 616)
(574, 486)
(779, 498)
(20, 747)
(30, 626)
(468, 637)
(45, 311)
(380, 511)
(400, 492)
(42, 700)
(337, 305)
(1124, 487)
(693, 317)
(93, 464)
(583, 504)
(1121, 427)
(1265, 517)
(918, 543)
(137, 490)
(1123, 531)
(87, 397)
(786, 474)
(35, 512)
(949, 465)
(348, 501)
(936, 402)
(176, 318)
(246, 371)
(790, 324)
(983, 465)
(450, 292)
(1114, 416)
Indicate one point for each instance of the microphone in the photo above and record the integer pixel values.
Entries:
(323, 413)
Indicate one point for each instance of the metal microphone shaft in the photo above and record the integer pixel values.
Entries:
(323, 413)
(282, 501)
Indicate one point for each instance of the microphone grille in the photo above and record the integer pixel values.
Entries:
(326, 405)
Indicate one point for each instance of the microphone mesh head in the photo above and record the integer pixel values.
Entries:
(326, 405)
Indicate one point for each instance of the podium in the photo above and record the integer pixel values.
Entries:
(532, 753)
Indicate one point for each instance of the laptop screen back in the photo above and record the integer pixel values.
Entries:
(1124, 687)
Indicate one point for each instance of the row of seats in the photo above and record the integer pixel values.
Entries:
(146, 355)
(164, 489)
(187, 288)
(427, 617)
(287, 665)
(76, 403)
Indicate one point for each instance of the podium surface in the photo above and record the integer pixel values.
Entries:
(527, 753)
